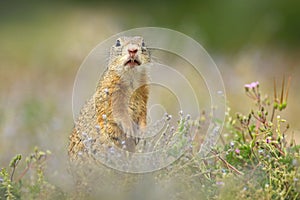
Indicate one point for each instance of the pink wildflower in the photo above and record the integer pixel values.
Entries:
(251, 85)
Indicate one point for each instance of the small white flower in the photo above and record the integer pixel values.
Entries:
(97, 127)
(84, 134)
(169, 117)
(296, 179)
(106, 91)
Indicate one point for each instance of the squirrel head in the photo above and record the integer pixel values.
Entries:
(128, 53)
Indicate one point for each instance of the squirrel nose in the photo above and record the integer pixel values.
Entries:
(132, 52)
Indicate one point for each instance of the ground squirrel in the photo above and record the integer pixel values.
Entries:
(118, 108)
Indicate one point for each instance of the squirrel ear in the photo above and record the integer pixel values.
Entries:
(118, 43)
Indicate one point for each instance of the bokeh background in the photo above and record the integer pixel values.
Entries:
(43, 44)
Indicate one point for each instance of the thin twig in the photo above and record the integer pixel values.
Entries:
(288, 88)
(279, 149)
(12, 173)
(23, 172)
(273, 113)
(282, 90)
(275, 101)
(275, 94)
(230, 166)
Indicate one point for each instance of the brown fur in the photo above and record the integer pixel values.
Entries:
(118, 108)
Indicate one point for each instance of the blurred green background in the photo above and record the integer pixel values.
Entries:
(42, 45)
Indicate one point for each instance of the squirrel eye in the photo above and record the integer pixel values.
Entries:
(118, 43)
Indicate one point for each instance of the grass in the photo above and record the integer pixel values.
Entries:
(253, 160)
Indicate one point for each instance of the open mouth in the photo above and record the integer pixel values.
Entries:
(132, 63)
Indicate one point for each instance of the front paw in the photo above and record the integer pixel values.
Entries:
(128, 127)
